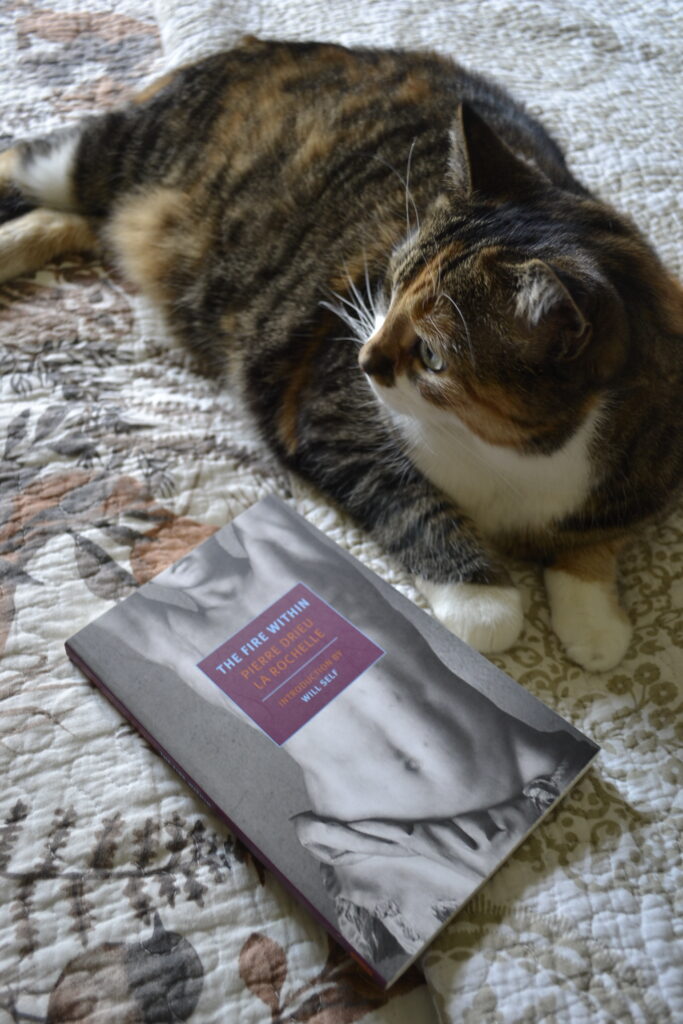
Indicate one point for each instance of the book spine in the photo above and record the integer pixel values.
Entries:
(125, 711)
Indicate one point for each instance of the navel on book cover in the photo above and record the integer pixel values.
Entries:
(379, 766)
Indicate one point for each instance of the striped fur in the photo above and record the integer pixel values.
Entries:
(284, 203)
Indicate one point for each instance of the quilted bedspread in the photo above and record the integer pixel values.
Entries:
(122, 898)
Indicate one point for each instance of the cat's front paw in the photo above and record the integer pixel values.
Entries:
(487, 617)
(588, 619)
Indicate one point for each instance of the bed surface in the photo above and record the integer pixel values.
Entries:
(117, 459)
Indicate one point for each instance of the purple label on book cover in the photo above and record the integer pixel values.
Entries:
(290, 662)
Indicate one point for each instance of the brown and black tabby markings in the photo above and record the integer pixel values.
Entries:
(278, 197)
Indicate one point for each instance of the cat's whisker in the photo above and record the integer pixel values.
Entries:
(364, 307)
(409, 195)
(367, 311)
(361, 307)
(339, 298)
(432, 277)
(456, 307)
(373, 299)
(355, 314)
(342, 314)
(439, 332)
(368, 290)
(349, 337)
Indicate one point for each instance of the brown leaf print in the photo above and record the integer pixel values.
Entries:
(93, 988)
(72, 501)
(263, 969)
(126, 494)
(29, 507)
(342, 993)
(63, 48)
(102, 93)
(165, 543)
(155, 981)
(57, 27)
(53, 504)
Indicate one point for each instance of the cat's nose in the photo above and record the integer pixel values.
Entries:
(376, 363)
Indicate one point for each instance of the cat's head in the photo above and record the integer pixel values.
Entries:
(516, 303)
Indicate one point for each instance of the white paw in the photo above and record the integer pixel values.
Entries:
(588, 619)
(489, 618)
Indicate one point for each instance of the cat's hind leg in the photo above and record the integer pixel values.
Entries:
(585, 609)
(36, 224)
(30, 241)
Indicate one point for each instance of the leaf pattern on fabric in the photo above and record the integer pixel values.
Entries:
(49, 421)
(92, 987)
(10, 831)
(108, 839)
(16, 432)
(263, 969)
(76, 891)
(347, 994)
(77, 885)
(165, 975)
(341, 993)
(101, 574)
(154, 981)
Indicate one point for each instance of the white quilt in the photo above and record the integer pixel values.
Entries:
(123, 900)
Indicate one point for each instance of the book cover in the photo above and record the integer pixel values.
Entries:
(379, 766)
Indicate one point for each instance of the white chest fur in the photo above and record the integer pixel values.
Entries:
(499, 488)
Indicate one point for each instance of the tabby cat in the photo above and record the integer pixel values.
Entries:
(428, 316)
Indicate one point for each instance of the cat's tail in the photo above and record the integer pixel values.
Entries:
(41, 214)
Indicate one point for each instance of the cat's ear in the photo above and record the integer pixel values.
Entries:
(481, 162)
(556, 324)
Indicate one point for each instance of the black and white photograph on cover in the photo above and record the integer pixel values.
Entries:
(402, 795)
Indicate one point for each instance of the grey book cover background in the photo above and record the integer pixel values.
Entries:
(395, 768)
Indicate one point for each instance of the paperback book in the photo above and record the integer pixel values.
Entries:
(380, 767)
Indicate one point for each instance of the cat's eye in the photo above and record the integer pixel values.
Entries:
(431, 359)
